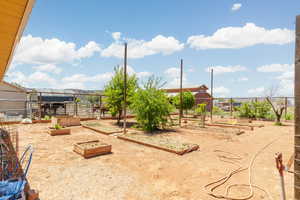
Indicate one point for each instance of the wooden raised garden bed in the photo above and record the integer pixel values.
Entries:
(65, 121)
(235, 123)
(92, 148)
(231, 126)
(101, 128)
(234, 131)
(63, 131)
(159, 142)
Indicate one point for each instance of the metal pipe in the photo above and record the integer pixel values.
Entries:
(181, 98)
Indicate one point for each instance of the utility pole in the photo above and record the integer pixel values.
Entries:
(211, 93)
(180, 111)
(297, 113)
(125, 88)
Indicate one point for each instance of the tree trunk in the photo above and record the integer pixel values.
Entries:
(119, 117)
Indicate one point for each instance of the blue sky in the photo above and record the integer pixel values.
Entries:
(250, 44)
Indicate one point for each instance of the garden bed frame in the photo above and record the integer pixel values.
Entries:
(214, 129)
(92, 152)
(66, 121)
(194, 148)
(231, 126)
(101, 131)
(63, 131)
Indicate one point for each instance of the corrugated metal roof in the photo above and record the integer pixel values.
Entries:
(13, 18)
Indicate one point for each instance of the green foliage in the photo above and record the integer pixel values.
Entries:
(201, 109)
(217, 111)
(289, 116)
(255, 110)
(114, 92)
(151, 106)
(246, 110)
(261, 109)
(57, 126)
(93, 99)
(188, 100)
(77, 100)
(271, 116)
(278, 124)
(46, 117)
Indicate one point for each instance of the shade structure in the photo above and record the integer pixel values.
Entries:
(14, 15)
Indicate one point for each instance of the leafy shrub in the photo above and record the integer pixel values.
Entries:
(201, 110)
(261, 109)
(57, 126)
(255, 110)
(188, 101)
(246, 110)
(289, 116)
(151, 106)
(217, 111)
(47, 117)
(271, 116)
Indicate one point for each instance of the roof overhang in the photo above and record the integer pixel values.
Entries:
(14, 15)
(177, 90)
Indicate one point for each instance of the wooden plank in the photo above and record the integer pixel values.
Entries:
(101, 131)
(196, 147)
(232, 126)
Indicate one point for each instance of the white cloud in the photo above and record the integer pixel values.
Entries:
(240, 37)
(36, 50)
(140, 48)
(173, 78)
(257, 91)
(221, 91)
(275, 68)
(286, 78)
(48, 68)
(226, 69)
(116, 35)
(236, 6)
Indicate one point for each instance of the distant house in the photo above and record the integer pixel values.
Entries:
(200, 93)
(12, 101)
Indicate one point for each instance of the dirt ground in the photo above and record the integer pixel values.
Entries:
(136, 172)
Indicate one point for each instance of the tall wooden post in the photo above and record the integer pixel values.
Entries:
(285, 106)
(125, 88)
(181, 98)
(297, 112)
(211, 93)
(231, 106)
(40, 105)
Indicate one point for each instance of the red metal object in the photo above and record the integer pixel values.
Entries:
(279, 164)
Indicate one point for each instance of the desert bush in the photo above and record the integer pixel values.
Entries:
(246, 110)
(261, 109)
(151, 106)
(201, 110)
(188, 101)
(114, 92)
(217, 111)
(289, 116)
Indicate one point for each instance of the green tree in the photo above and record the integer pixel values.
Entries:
(92, 99)
(151, 106)
(114, 92)
(188, 101)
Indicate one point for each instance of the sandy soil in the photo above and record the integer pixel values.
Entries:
(136, 172)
